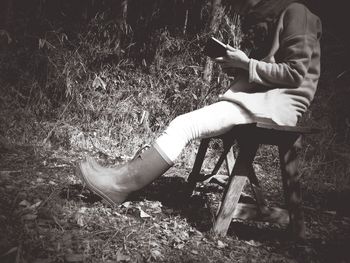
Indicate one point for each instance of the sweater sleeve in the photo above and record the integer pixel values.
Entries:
(298, 38)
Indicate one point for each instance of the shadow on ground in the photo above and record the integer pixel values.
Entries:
(198, 207)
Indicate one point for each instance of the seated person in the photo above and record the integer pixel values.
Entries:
(277, 81)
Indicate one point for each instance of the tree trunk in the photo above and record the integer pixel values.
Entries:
(216, 15)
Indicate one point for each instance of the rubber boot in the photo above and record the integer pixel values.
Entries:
(115, 184)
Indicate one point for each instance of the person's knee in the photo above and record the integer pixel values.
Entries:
(181, 126)
(179, 123)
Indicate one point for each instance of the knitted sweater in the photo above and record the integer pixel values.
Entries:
(282, 85)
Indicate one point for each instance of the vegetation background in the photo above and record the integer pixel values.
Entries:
(106, 77)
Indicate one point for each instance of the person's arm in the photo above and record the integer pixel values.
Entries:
(297, 41)
(298, 38)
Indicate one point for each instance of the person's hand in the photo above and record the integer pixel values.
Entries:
(234, 58)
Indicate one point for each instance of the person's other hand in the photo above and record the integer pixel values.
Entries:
(234, 58)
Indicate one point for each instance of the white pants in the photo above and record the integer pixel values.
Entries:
(209, 121)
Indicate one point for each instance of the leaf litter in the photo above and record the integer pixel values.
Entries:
(60, 221)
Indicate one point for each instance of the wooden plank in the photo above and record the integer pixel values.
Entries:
(294, 129)
(251, 212)
(197, 166)
(194, 176)
(230, 161)
(227, 149)
(228, 205)
(238, 179)
(222, 179)
(219, 179)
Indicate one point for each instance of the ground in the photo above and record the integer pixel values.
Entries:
(46, 216)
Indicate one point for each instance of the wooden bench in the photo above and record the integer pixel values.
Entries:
(248, 138)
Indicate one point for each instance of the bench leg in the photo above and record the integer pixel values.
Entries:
(193, 177)
(291, 185)
(258, 192)
(235, 186)
(223, 156)
(229, 157)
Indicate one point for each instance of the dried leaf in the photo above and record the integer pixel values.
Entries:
(80, 221)
(122, 257)
(180, 246)
(24, 203)
(143, 214)
(39, 180)
(98, 82)
(41, 43)
(116, 213)
(156, 205)
(176, 240)
(82, 210)
(184, 235)
(221, 244)
(35, 206)
(79, 218)
(126, 204)
(74, 258)
(154, 244)
(156, 254)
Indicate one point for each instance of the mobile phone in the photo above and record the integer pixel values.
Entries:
(214, 48)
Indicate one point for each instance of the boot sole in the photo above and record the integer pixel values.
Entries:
(92, 188)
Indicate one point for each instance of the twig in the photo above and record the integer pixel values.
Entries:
(342, 74)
